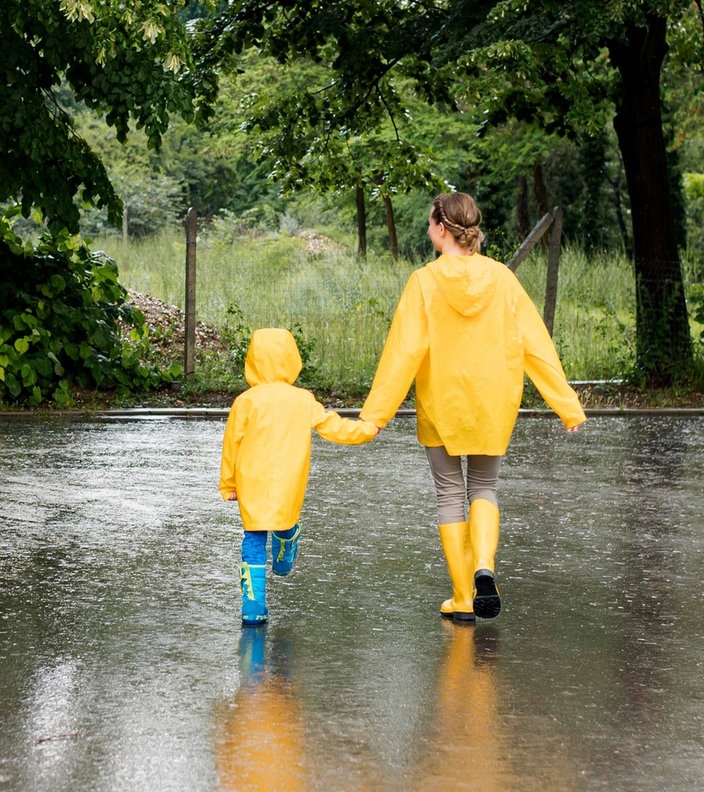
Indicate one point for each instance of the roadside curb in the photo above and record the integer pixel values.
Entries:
(218, 413)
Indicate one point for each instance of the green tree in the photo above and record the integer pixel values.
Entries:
(289, 118)
(63, 314)
(571, 69)
(130, 62)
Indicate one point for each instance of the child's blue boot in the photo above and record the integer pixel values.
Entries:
(284, 549)
(253, 585)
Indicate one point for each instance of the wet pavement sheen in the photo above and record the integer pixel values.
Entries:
(123, 665)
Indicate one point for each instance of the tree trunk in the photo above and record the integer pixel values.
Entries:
(391, 225)
(591, 217)
(522, 211)
(540, 190)
(361, 223)
(663, 342)
(621, 215)
(540, 193)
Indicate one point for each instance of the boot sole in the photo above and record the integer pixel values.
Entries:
(461, 617)
(487, 602)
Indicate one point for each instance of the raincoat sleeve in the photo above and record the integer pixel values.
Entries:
(331, 426)
(542, 364)
(406, 346)
(234, 432)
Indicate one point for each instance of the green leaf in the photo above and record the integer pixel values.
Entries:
(22, 345)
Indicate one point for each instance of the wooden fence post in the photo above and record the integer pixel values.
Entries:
(530, 241)
(553, 266)
(553, 221)
(190, 334)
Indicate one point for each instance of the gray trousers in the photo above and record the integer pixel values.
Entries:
(454, 489)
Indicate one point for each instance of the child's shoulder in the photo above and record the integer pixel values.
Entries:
(278, 391)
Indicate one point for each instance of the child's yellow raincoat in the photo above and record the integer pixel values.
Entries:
(267, 443)
(467, 331)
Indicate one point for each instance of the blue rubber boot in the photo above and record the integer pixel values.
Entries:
(253, 584)
(284, 549)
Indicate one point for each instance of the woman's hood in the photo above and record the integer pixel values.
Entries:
(466, 282)
(272, 356)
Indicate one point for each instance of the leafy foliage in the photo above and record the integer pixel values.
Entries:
(319, 129)
(128, 61)
(566, 69)
(63, 322)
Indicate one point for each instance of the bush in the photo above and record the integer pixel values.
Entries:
(65, 322)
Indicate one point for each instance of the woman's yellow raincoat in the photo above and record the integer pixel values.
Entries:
(267, 443)
(467, 332)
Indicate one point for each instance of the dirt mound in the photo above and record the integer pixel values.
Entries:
(167, 325)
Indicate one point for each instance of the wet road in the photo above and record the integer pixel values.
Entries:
(123, 665)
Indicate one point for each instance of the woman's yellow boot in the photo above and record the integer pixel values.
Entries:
(456, 545)
(484, 532)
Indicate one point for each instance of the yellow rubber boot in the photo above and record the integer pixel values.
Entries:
(484, 532)
(456, 545)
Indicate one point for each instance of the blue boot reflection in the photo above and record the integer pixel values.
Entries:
(260, 742)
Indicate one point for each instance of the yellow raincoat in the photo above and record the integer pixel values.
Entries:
(467, 332)
(267, 442)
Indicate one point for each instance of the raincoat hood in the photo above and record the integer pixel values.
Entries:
(466, 282)
(272, 356)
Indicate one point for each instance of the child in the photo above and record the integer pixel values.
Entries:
(266, 459)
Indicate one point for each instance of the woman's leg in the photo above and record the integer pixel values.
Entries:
(482, 478)
(449, 485)
(454, 531)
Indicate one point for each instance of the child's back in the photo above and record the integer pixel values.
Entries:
(266, 457)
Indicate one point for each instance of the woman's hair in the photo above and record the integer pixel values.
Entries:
(461, 217)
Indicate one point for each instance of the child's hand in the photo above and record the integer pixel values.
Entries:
(233, 497)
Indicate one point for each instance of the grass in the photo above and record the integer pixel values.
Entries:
(595, 316)
(340, 308)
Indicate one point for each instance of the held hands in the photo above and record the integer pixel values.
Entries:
(576, 428)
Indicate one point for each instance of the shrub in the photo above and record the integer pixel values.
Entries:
(65, 322)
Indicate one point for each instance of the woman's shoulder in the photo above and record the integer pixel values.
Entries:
(464, 265)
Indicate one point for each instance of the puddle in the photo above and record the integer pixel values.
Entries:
(124, 666)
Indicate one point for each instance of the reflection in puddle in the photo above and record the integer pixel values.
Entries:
(261, 735)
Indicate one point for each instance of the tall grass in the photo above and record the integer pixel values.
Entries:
(594, 328)
(343, 306)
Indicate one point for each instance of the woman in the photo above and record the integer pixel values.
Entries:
(467, 332)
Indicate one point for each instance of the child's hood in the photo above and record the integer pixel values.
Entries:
(466, 282)
(272, 356)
